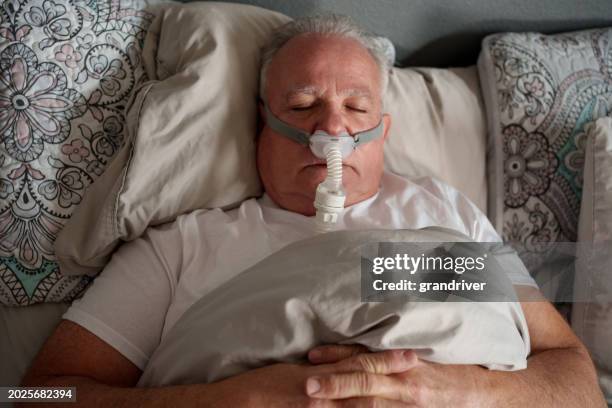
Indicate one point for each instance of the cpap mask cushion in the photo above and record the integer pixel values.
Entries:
(321, 142)
(319, 139)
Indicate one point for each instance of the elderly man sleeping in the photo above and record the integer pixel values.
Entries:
(215, 283)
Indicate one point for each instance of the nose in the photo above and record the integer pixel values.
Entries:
(331, 121)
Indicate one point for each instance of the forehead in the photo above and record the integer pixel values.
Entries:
(317, 64)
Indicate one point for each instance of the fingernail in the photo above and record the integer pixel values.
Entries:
(312, 386)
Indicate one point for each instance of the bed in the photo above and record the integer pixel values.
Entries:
(54, 191)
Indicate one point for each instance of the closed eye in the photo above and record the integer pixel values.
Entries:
(301, 108)
(356, 109)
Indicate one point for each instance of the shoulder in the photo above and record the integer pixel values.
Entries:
(421, 187)
(420, 191)
(186, 225)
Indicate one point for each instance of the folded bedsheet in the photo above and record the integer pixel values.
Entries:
(309, 293)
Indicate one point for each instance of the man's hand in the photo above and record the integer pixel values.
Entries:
(282, 385)
(559, 372)
(425, 384)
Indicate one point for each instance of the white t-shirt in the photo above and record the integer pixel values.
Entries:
(150, 282)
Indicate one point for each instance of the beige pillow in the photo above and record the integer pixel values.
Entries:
(438, 128)
(192, 130)
(592, 312)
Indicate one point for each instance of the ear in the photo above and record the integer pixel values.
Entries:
(386, 118)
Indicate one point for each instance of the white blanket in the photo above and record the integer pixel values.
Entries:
(309, 293)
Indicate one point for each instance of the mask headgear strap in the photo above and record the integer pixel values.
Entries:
(302, 137)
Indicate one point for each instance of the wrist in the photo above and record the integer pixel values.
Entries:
(225, 394)
(213, 394)
(478, 388)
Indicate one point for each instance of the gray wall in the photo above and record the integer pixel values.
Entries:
(448, 32)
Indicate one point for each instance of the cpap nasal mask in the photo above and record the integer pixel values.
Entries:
(330, 195)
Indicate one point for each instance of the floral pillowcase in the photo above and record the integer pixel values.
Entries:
(67, 69)
(540, 91)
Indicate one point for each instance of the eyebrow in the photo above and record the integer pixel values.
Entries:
(311, 90)
(357, 92)
(300, 90)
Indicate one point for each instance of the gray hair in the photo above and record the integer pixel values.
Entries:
(380, 48)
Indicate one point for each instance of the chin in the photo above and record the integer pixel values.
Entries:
(317, 174)
(304, 205)
(310, 177)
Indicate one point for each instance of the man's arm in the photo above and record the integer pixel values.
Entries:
(559, 373)
(74, 357)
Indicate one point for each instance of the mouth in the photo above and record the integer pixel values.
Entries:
(317, 162)
(323, 164)
(317, 166)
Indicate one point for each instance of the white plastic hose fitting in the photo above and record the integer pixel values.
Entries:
(330, 195)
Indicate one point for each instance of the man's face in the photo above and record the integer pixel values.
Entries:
(325, 83)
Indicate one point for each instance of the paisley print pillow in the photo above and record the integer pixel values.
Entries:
(540, 91)
(67, 69)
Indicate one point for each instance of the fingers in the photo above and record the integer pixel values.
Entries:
(357, 384)
(334, 352)
(364, 375)
(383, 362)
(359, 403)
(371, 403)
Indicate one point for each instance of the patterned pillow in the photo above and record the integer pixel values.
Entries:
(67, 69)
(539, 93)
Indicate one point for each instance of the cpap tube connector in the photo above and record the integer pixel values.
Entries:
(330, 195)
